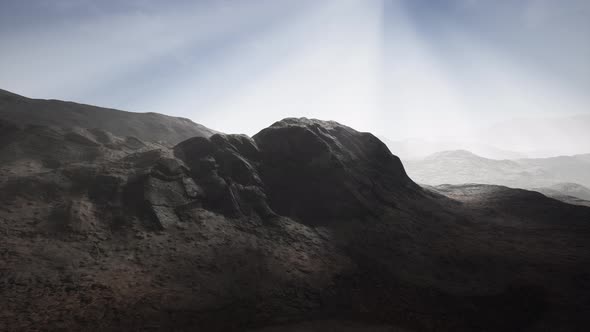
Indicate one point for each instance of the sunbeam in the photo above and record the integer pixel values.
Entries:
(402, 69)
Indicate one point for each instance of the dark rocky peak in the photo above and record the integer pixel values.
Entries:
(320, 171)
(327, 143)
(312, 170)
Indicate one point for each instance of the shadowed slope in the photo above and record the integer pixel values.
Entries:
(152, 127)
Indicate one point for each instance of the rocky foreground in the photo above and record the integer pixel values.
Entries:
(307, 221)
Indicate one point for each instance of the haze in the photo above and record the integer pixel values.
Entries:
(409, 165)
(458, 71)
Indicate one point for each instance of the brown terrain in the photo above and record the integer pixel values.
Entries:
(307, 226)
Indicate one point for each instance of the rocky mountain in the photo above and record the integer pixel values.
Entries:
(460, 166)
(151, 127)
(307, 224)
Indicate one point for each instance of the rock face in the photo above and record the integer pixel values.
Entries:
(317, 170)
(310, 170)
(307, 220)
(150, 127)
(224, 170)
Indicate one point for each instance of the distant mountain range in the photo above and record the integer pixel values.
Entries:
(572, 193)
(511, 139)
(418, 148)
(557, 176)
(569, 189)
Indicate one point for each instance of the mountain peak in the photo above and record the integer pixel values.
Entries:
(308, 169)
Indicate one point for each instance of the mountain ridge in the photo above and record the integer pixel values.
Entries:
(306, 220)
(459, 166)
(153, 127)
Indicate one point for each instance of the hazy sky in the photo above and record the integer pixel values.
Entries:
(413, 68)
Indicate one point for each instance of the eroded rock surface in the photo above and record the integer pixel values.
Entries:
(307, 221)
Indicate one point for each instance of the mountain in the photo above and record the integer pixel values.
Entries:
(410, 149)
(554, 177)
(459, 166)
(574, 168)
(308, 224)
(511, 139)
(571, 189)
(572, 193)
(150, 127)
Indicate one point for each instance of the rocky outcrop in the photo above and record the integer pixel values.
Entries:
(224, 170)
(320, 171)
(311, 170)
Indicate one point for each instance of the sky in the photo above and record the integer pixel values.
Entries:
(398, 68)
